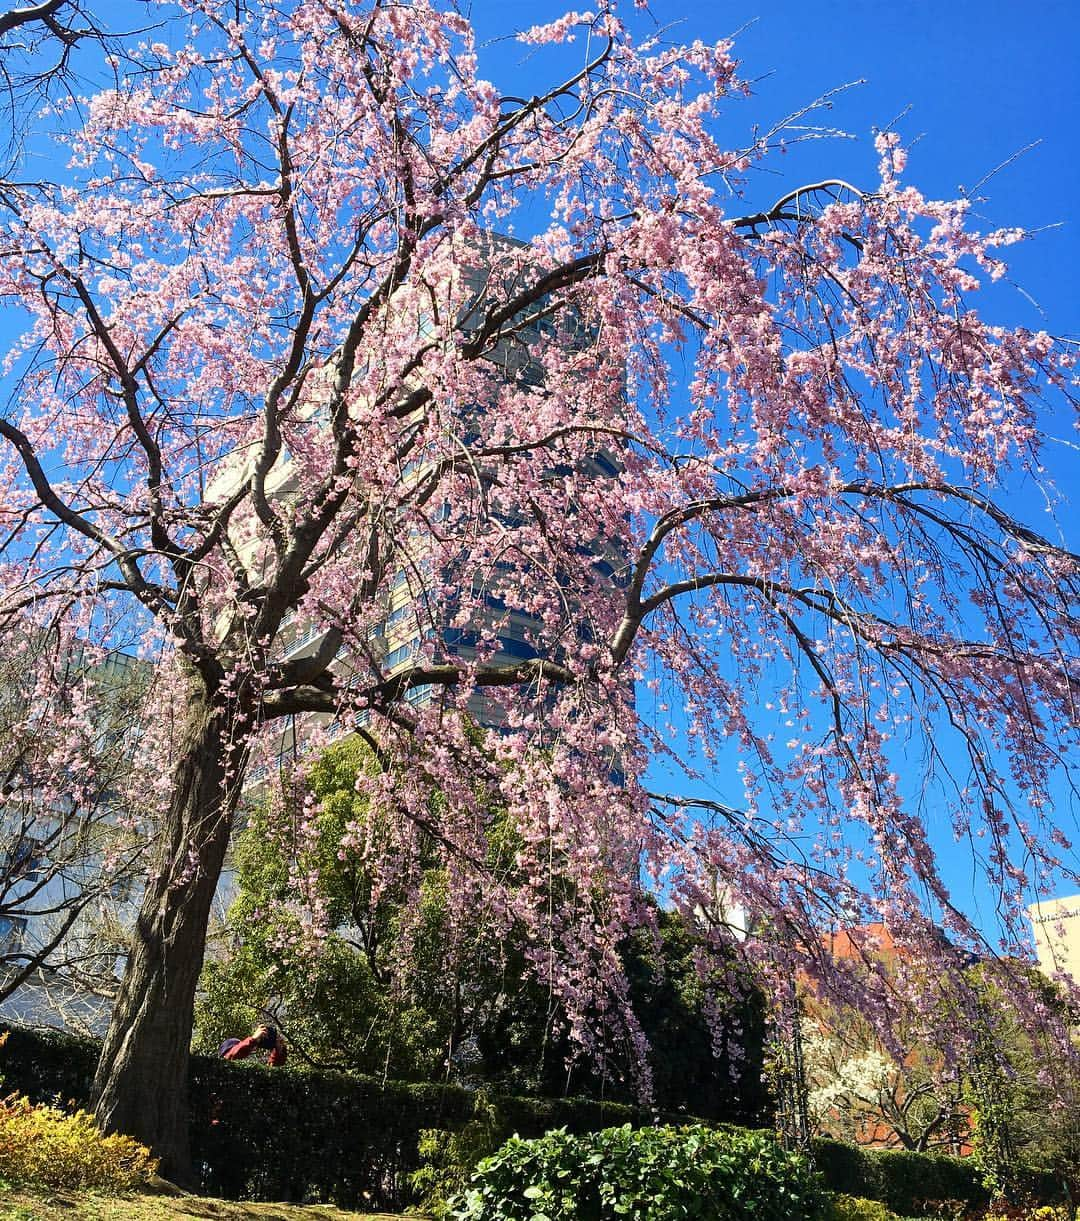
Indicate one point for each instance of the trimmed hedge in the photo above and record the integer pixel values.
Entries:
(48, 1066)
(899, 1179)
(906, 1181)
(276, 1134)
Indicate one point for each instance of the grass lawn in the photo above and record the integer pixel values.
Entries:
(49, 1204)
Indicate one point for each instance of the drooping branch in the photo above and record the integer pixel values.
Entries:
(782, 211)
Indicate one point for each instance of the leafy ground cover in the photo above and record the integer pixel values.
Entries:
(44, 1204)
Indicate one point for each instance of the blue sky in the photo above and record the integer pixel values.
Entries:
(968, 85)
(982, 79)
(979, 79)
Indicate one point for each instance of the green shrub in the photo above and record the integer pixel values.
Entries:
(902, 1180)
(283, 1134)
(857, 1208)
(691, 1173)
(39, 1144)
(1018, 1212)
(449, 1158)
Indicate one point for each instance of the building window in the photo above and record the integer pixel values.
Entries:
(11, 932)
(21, 861)
(403, 653)
(517, 648)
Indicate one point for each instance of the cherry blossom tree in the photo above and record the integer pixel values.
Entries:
(744, 460)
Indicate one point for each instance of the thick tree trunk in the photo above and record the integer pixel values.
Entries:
(140, 1087)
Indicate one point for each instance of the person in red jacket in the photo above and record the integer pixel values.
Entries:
(262, 1038)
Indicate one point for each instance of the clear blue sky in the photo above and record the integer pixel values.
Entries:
(968, 85)
(982, 79)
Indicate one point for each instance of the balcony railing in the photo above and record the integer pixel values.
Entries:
(287, 648)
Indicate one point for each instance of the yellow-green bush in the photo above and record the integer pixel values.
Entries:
(856, 1208)
(1048, 1212)
(39, 1144)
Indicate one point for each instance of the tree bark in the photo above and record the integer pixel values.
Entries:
(141, 1083)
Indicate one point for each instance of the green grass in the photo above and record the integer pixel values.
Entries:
(26, 1203)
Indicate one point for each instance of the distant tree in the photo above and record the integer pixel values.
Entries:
(1024, 1100)
(859, 1093)
(333, 987)
(276, 365)
(1008, 1099)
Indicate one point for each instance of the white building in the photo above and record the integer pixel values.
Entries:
(1057, 935)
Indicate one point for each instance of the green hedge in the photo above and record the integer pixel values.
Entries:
(48, 1066)
(905, 1181)
(899, 1179)
(275, 1134)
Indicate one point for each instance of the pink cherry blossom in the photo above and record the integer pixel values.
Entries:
(733, 476)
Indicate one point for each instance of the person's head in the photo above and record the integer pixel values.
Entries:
(265, 1036)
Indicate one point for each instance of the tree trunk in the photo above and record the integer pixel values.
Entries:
(141, 1084)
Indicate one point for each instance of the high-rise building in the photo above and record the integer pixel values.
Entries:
(1057, 935)
(405, 619)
